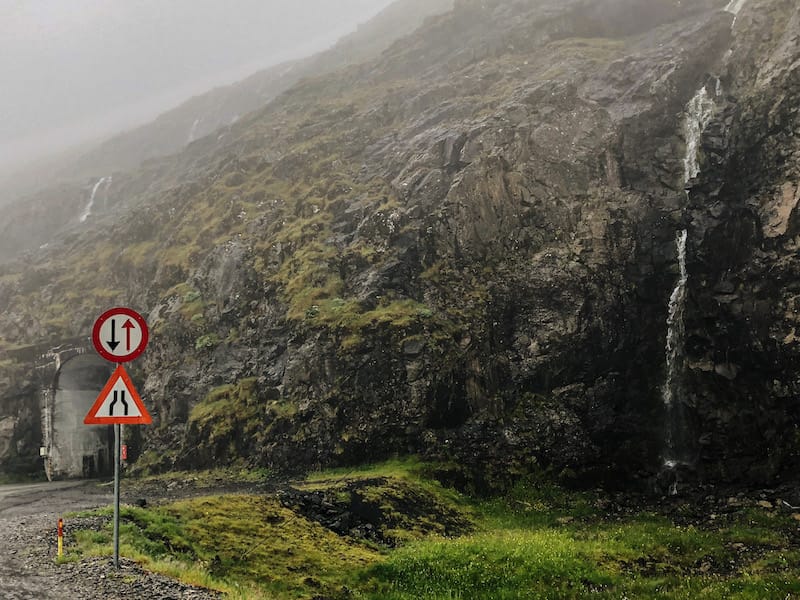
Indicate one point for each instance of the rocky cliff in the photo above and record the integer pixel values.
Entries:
(744, 222)
(465, 248)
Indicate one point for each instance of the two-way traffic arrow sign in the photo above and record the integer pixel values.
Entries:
(112, 348)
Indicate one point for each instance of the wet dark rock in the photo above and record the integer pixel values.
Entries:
(375, 510)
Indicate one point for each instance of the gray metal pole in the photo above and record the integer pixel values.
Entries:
(117, 446)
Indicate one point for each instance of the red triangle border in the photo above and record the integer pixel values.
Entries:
(143, 419)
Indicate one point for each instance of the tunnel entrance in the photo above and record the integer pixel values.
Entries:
(78, 450)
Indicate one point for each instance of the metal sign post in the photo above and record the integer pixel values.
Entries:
(117, 443)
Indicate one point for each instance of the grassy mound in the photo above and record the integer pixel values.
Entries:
(391, 533)
(247, 546)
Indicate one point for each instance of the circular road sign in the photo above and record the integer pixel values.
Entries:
(120, 335)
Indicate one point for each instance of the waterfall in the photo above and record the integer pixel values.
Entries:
(733, 7)
(678, 451)
(193, 131)
(699, 112)
(679, 444)
(88, 210)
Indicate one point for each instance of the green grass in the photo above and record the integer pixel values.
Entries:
(505, 564)
(539, 541)
(641, 558)
(410, 468)
(233, 543)
(536, 541)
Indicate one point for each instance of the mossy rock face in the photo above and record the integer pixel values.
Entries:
(466, 248)
(385, 510)
(225, 425)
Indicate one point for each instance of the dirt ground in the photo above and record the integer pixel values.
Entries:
(28, 570)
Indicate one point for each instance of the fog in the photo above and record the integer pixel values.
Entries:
(74, 70)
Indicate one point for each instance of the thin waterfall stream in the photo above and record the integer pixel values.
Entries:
(733, 7)
(88, 210)
(679, 444)
(193, 131)
(679, 447)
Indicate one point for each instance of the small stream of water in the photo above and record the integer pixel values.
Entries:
(679, 446)
(733, 7)
(88, 210)
(193, 132)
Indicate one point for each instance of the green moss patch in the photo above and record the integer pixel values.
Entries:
(391, 532)
(227, 420)
(240, 542)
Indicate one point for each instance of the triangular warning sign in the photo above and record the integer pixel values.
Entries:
(118, 403)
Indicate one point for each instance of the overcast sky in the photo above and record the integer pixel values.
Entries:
(74, 69)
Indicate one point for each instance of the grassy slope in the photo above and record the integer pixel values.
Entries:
(536, 542)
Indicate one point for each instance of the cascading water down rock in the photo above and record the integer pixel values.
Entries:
(90, 205)
(679, 440)
(680, 448)
(733, 7)
(679, 443)
(698, 116)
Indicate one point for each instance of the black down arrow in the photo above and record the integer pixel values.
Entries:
(114, 342)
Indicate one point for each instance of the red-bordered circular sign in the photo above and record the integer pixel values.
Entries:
(120, 335)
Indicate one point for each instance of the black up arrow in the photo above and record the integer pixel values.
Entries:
(114, 342)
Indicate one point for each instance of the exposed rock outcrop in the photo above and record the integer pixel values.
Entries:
(465, 249)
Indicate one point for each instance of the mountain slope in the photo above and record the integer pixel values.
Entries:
(209, 114)
(466, 248)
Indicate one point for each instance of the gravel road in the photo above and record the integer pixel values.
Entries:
(28, 570)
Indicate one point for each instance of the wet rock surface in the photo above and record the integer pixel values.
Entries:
(744, 264)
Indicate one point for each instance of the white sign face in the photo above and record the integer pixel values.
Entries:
(118, 402)
(120, 335)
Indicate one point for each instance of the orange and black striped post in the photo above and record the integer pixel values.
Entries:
(60, 538)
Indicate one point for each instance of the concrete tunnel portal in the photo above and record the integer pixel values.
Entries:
(73, 449)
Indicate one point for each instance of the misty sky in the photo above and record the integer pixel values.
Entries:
(74, 69)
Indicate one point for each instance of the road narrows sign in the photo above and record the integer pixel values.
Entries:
(120, 335)
(119, 403)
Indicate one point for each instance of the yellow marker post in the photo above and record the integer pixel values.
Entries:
(60, 538)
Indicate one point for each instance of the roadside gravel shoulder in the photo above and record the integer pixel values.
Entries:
(28, 567)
